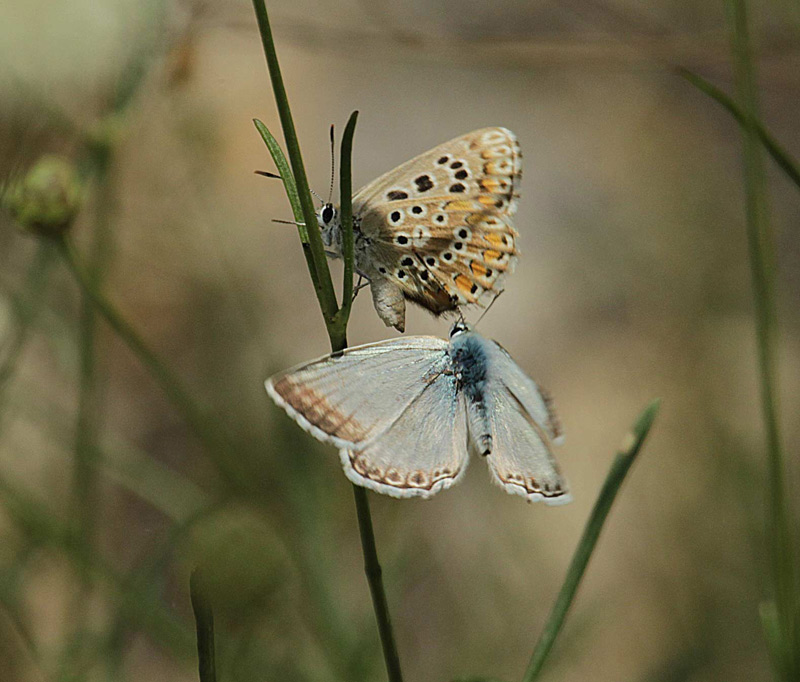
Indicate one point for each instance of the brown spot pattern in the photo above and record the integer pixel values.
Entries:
(319, 412)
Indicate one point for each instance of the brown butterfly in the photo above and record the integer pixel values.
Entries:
(437, 229)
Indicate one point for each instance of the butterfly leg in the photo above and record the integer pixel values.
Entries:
(362, 283)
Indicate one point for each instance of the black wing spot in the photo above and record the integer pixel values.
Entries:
(458, 188)
(423, 183)
(397, 195)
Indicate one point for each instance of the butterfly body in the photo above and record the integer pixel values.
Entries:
(405, 413)
(436, 230)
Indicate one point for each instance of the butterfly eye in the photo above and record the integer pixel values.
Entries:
(328, 212)
(458, 328)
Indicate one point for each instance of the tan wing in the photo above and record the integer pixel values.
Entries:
(439, 225)
(350, 398)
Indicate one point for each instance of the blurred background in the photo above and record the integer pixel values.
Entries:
(634, 283)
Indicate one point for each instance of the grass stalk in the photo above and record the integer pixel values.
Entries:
(374, 573)
(198, 417)
(608, 493)
(761, 255)
(348, 237)
(335, 319)
(284, 170)
(204, 621)
(85, 479)
(326, 293)
(26, 306)
(779, 155)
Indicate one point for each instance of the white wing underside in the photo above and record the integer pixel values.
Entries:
(530, 395)
(422, 452)
(521, 461)
(390, 407)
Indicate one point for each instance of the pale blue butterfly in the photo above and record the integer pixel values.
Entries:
(406, 412)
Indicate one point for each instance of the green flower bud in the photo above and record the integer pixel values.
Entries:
(47, 199)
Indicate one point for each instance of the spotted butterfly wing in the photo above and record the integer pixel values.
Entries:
(437, 229)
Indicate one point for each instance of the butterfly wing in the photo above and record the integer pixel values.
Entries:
(422, 452)
(438, 227)
(392, 407)
(535, 399)
(523, 424)
(351, 398)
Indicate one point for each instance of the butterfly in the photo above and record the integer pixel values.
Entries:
(437, 229)
(406, 412)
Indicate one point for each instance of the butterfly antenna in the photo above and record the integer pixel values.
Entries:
(488, 308)
(333, 166)
(286, 222)
(267, 174)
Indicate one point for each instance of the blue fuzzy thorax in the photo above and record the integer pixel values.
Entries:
(470, 364)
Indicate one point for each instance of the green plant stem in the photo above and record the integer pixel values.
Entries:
(372, 568)
(289, 186)
(85, 484)
(761, 254)
(326, 294)
(197, 417)
(204, 620)
(348, 238)
(26, 306)
(43, 527)
(616, 475)
(781, 157)
(336, 325)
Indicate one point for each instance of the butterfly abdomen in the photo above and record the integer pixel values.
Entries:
(471, 367)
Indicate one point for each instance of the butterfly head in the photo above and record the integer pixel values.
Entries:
(330, 228)
(459, 327)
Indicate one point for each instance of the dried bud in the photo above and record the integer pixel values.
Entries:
(47, 199)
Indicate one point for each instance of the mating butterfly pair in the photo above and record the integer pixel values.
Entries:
(406, 412)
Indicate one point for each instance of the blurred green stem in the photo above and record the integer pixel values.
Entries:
(781, 157)
(197, 417)
(761, 251)
(26, 305)
(608, 493)
(141, 607)
(335, 319)
(85, 485)
(204, 621)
